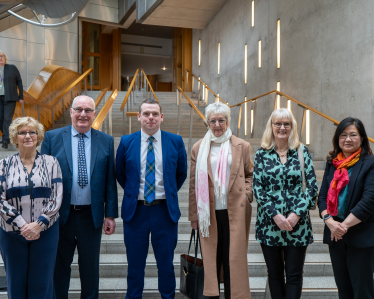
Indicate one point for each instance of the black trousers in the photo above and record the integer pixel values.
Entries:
(6, 116)
(223, 251)
(353, 270)
(79, 231)
(285, 258)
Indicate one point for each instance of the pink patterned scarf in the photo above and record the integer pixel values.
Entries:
(201, 175)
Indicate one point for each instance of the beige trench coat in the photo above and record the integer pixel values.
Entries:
(239, 210)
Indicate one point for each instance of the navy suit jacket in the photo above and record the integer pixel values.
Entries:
(360, 202)
(174, 160)
(104, 196)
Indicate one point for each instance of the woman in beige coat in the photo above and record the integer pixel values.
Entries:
(220, 204)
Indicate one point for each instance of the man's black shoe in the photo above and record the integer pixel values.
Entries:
(5, 145)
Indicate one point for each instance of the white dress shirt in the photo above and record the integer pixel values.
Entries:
(157, 146)
(214, 152)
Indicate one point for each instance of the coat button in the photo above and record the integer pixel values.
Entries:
(241, 175)
(242, 204)
(240, 189)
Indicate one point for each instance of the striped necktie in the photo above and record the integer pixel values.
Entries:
(150, 173)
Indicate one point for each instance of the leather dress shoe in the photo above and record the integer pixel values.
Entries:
(5, 145)
(1, 141)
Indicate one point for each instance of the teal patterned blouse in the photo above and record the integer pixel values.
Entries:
(278, 189)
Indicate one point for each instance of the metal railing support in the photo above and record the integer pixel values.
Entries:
(179, 112)
(186, 80)
(123, 114)
(130, 125)
(302, 124)
(190, 137)
(253, 120)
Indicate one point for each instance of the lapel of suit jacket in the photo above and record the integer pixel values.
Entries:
(94, 146)
(137, 147)
(66, 136)
(352, 180)
(164, 142)
(236, 154)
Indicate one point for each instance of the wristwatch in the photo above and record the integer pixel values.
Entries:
(327, 216)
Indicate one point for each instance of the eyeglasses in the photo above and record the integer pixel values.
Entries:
(220, 121)
(80, 110)
(279, 125)
(24, 133)
(351, 136)
(2, 56)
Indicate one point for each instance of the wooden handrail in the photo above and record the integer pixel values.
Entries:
(253, 99)
(100, 97)
(132, 113)
(192, 74)
(150, 86)
(192, 104)
(129, 90)
(104, 111)
(71, 86)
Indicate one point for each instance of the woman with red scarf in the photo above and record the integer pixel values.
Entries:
(346, 204)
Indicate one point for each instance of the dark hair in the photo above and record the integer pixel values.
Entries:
(366, 150)
(149, 101)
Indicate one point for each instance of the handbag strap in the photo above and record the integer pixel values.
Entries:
(301, 160)
(192, 236)
(198, 244)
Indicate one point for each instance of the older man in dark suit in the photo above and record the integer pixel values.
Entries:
(86, 157)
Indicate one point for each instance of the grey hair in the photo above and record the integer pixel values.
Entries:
(26, 121)
(93, 102)
(218, 108)
(5, 56)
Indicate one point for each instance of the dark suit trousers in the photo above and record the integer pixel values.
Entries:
(6, 116)
(281, 258)
(29, 265)
(353, 270)
(154, 220)
(79, 231)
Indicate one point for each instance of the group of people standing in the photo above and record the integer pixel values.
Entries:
(62, 199)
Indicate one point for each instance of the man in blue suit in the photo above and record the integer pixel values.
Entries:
(151, 167)
(86, 157)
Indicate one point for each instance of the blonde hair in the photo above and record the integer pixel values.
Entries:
(268, 141)
(26, 121)
(218, 108)
(5, 56)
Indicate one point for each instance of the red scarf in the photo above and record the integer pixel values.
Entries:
(340, 180)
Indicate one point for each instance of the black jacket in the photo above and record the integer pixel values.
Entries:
(12, 79)
(360, 202)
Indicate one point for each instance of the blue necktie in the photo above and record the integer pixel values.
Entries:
(82, 168)
(150, 173)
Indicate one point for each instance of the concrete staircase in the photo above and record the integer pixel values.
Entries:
(318, 276)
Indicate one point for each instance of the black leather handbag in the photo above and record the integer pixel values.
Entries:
(192, 272)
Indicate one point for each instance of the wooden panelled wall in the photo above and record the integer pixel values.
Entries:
(182, 57)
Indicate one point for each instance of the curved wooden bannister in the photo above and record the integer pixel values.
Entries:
(104, 111)
(51, 92)
(100, 97)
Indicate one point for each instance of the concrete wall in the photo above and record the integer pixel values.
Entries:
(326, 60)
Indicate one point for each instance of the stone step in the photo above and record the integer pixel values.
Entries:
(115, 265)
(114, 244)
(115, 288)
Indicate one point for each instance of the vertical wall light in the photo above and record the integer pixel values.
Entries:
(245, 117)
(259, 54)
(219, 57)
(289, 105)
(278, 45)
(253, 13)
(307, 127)
(278, 96)
(199, 52)
(198, 84)
(252, 121)
(203, 92)
(245, 64)
(217, 98)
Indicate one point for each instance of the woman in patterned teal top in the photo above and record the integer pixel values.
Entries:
(283, 224)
